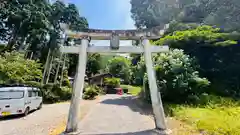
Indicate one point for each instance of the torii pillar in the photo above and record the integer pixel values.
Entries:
(83, 49)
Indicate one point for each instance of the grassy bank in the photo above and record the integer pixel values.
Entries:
(213, 115)
(220, 117)
(133, 90)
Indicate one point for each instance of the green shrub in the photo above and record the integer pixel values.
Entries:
(14, 68)
(177, 77)
(114, 82)
(99, 90)
(145, 93)
(85, 86)
(216, 53)
(53, 93)
(120, 67)
(66, 93)
(90, 93)
(48, 95)
(66, 81)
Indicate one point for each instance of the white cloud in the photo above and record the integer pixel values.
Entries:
(123, 9)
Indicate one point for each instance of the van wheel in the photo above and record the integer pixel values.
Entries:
(26, 111)
(40, 106)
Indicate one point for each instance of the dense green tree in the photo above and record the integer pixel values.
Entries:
(120, 68)
(216, 52)
(14, 68)
(93, 64)
(35, 24)
(177, 76)
(220, 13)
(150, 13)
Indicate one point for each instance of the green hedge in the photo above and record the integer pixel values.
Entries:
(52, 92)
(114, 82)
(91, 91)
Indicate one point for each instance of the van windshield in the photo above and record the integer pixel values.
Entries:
(11, 95)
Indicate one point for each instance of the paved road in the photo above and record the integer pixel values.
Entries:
(116, 115)
(36, 123)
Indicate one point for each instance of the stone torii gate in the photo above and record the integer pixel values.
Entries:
(115, 36)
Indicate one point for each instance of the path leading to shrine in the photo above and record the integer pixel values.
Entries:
(123, 115)
(50, 120)
(107, 115)
(116, 115)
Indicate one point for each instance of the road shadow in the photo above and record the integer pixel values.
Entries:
(138, 105)
(133, 102)
(145, 132)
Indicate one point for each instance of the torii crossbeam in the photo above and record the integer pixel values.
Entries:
(84, 48)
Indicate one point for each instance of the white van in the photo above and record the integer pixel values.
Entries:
(16, 100)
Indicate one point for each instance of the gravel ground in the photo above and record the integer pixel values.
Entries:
(40, 122)
(116, 115)
(36, 123)
(108, 115)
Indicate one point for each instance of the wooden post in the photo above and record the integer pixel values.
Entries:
(63, 67)
(155, 98)
(50, 69)
(58, 67)
(72, 122)
(45, 67)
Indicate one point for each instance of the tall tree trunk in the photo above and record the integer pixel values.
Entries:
(46, 66)
(12, 41)
(64, 60)
(59, 63)
(22, 46)
(31, 56)
(49, 70)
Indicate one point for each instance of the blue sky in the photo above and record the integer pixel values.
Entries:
(106, 14)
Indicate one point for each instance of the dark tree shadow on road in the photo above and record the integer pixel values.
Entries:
(134, 103)
(137, 104)
(146, 132)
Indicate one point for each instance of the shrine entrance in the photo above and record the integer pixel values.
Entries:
(114, 37)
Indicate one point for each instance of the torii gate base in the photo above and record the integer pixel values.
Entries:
(147, 49)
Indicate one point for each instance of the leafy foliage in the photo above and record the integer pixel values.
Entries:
(114, 82)
(53, 93)
(93, 64)
(202, 35)
(220, 13)
(177, 76)
(66, 81)
(216, 52)
(120, 68)
(90, 92)
(13, 67)
(34, 26)
(150, 13)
